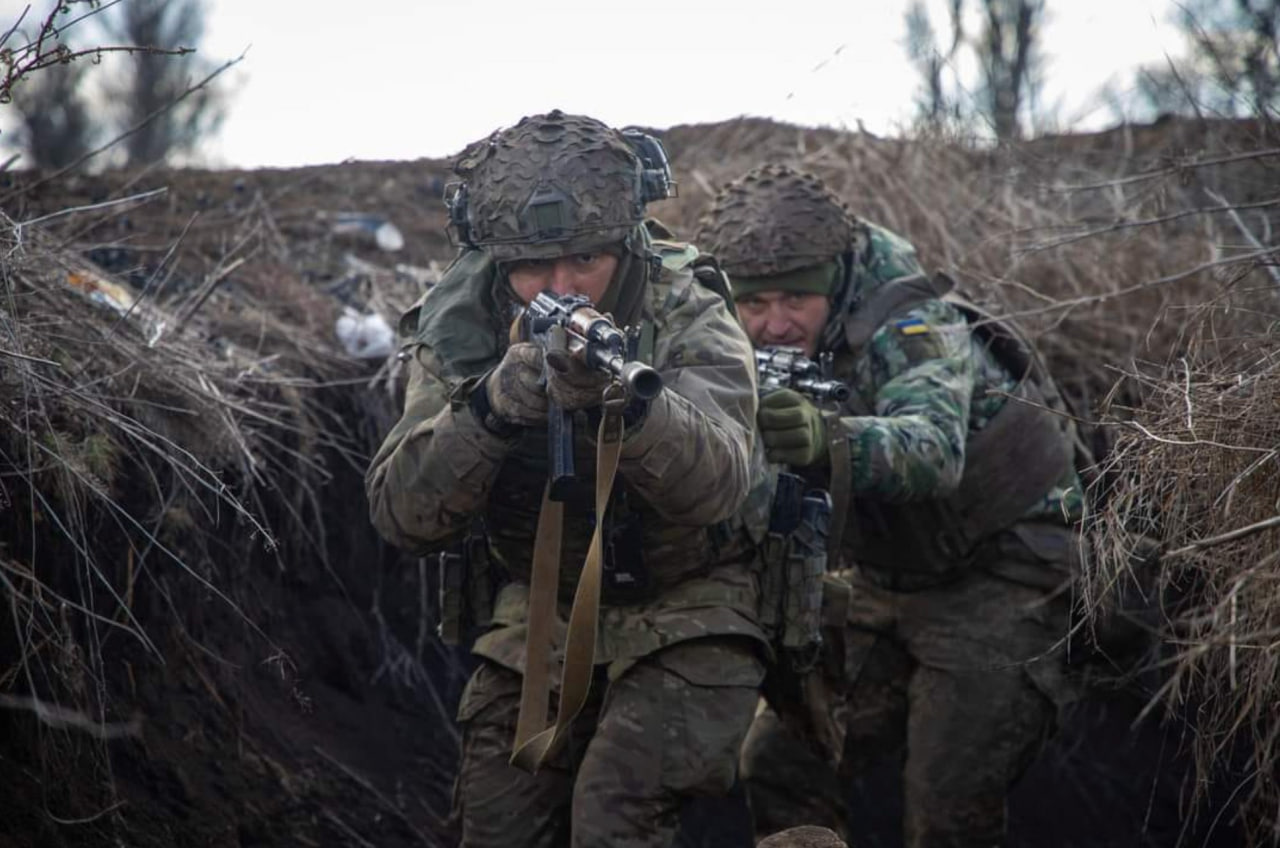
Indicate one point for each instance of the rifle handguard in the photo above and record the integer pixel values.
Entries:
(789, 368)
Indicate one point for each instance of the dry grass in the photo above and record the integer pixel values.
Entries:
(1198, 471)
(165, 474)
(145, 461)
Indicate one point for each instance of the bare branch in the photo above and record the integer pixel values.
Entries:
(230, 63)
(65, 719)
(1231, 536)
(1177, 167)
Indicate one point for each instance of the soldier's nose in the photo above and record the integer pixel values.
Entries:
(562, 279)
(777, 324)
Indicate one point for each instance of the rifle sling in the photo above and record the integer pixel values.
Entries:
(841, 485)
(535, 693)
(534, 747)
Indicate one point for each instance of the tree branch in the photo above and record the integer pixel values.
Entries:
(135, 128)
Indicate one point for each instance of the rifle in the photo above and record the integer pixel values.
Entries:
(569, 327)
(789, 368)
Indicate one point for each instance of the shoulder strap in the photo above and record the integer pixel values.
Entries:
(658, 230)
(841, 488)
(893, 297)
(709, 274)
(1015, 352)
(675, 255)
(1007, 343)
(684, 264)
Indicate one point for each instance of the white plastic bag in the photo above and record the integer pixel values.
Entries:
(365, 336)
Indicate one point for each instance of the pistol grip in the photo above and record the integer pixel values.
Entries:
(557, 353)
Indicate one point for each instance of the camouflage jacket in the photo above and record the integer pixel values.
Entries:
(931, 383)
(684, 468)
(924, 385)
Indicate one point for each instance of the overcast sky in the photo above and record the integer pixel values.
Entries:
(323, 81)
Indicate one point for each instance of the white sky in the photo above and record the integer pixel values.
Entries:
(397, 79)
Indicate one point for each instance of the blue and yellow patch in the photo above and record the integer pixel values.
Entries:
(911, 327)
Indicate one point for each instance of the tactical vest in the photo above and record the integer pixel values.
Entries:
(1024, 450)
(644, 552)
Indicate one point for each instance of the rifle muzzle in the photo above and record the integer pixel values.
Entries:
(641, 381)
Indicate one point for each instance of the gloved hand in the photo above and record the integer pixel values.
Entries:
(515, 393)
(792, 429)
(577, 386)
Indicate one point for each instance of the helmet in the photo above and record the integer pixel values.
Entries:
(775, 219)
(553, 185)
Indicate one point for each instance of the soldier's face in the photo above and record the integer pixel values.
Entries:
(580, 273)
(784, 319)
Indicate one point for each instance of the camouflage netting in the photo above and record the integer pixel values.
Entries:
(574, 183)
(772, 220)
(204, 616)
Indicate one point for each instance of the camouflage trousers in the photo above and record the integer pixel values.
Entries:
(668, 729)
(948, 692)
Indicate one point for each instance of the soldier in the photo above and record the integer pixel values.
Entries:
(555, 204)
(957, 494)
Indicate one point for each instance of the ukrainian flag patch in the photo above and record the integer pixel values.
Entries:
(912, 327)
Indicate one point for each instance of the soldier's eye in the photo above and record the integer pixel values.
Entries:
(586, 258)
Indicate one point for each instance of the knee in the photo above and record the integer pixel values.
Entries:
(711, 693)
(675, 722)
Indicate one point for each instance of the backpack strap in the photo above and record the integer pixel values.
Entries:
(708, 273)
(893, 297)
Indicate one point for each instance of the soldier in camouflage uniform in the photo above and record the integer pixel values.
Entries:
(957, 542)
(556, 203)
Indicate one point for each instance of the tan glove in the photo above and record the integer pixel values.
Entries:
(577, 386)
(514, 388)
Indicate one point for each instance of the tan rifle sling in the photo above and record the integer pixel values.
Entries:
(535, 743)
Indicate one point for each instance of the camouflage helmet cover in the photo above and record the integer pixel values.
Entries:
(552, 185)
(775, 219)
